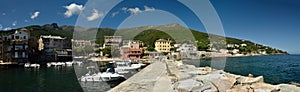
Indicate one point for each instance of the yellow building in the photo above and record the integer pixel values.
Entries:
(162, 45)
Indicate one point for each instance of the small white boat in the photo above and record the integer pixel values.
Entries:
(34, 65)
(105, 76)
(77, 62)
(92, 76)
(49, 64)
(69, 63)
(60, 64)
(27, 65)
(125, 67)
(54, 63)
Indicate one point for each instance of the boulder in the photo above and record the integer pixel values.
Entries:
(263, 87)
(250, 80)
(288, 88)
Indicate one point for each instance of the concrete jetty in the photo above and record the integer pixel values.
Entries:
(173, 76)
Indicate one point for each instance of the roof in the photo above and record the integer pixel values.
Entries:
(161, 40)
(53, 37)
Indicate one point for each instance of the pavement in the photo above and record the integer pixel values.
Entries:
(153, 78)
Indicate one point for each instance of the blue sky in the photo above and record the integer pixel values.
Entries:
(269, 22)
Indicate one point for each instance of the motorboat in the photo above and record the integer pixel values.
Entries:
(60, 63)
(105, 76)
(77, 62)
(27, 65)
(125, 67)
(109, 75)
(49, 64)
(54, 63)
(34, 65)
(69, 63)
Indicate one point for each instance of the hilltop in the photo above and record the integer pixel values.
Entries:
(147, 34)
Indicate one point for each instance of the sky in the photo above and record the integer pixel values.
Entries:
(275, 23)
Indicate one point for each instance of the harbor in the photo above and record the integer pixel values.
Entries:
(173, 75)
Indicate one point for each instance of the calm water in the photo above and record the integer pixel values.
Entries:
(275, 69)
(53, 79)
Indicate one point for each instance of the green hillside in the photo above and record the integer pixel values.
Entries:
(147, 34)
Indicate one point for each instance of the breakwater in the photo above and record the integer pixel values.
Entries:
(177, 77)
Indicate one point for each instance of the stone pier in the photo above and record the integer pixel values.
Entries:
(177, 77)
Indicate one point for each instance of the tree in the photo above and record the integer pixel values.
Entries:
(107, 51)
(150, 48)
(201, 46)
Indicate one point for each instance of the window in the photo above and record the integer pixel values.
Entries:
(12, 37)
(24, 37)
(17, 37)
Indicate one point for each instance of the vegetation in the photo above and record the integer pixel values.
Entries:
(148, 35)
(151, 35)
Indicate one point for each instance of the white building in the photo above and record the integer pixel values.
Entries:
(243, 45)
(51, 42)
(81, 43)
(16, 44)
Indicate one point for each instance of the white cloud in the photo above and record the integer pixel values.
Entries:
(149, 8)
(26, 20)
(115, 13)
(4, 29)
(95, 15)
(35, 14)
(7, 28)
(124, 9)
(14, 23)
(73, 9)
(137, 10)
(134, 10)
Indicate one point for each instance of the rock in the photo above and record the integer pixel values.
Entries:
(223, 83)
(263, 87)
(208, 69)
(249, 80)
(238, 88)
(202, 72)
(250, 75)
(288, 88)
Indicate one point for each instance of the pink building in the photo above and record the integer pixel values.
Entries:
(132, 51)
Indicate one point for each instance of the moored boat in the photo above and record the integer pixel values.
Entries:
(27, 65)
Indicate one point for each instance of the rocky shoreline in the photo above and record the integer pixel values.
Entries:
(191, 78)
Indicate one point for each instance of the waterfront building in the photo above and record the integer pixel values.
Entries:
(81, 43)
(52, 42)
(230, 45)
(14, 46)
(112, 41)
(188, 51)
(152, 54)
(235, 51)
(54, 48)
(162, 45)
(132, 51)
(243, 45)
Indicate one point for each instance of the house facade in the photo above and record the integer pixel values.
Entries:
(162, 45)
(14, 46)
(132, 51)
(112, 41)
(81, 43)
(51, 42)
